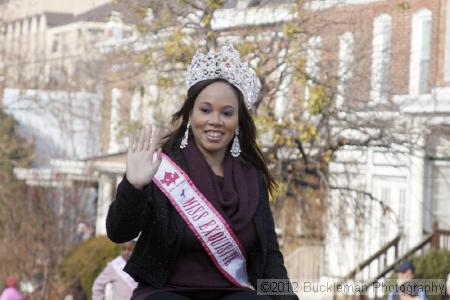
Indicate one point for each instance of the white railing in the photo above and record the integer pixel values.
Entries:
(305, 263)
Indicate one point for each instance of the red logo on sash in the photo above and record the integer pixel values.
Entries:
(169, 178)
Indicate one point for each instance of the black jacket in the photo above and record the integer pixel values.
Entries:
(150, 212)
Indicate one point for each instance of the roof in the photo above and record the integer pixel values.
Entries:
(57, 19)
(99, 14)
(52, 19)
(252, 3)
(103, 12)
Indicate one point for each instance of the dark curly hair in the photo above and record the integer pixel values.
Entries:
(250, 152)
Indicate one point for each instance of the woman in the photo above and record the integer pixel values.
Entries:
(201, 204)
(122, 285)
(11, 292)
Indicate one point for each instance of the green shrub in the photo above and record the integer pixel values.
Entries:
(87, 260)
(433, 265)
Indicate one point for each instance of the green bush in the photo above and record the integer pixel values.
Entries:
(433, 265)
(87, 260)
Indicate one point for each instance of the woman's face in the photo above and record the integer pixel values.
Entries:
(214, 118)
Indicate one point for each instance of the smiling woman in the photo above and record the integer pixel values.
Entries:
(214, 120)
(201, 203)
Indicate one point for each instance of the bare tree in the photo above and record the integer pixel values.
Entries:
(56, 97)
(312, 104)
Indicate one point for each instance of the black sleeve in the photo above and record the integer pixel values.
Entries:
(126, 212)
(274, 267)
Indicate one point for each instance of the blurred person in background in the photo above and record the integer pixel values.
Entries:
(122, 285)
(11, 292)
(406, 273)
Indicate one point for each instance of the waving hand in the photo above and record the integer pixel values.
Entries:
(141, 165)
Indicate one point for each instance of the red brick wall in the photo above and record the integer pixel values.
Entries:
(441, 46)
(358, 19)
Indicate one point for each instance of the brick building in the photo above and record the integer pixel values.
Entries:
(396, 56)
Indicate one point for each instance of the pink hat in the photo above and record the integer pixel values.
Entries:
(11, 281)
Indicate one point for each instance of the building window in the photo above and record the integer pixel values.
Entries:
(284, 77)
(55, 44)
(94, 35)
(312, 64)
(440, 191)
(79, 38)
(136, 104)
(381, 52)
(114, 141)
(386, 200)
(420, 53)
(402, 206)
(241, 4)
(346, 43)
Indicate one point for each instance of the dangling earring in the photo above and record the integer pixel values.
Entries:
(236, 148)
(184, 141)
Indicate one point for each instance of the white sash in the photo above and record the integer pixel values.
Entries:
(118, 264)
(206, 223)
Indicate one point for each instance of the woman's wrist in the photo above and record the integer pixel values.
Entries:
(137, 186)
(133, 185)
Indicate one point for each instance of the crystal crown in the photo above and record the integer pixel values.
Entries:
(226, 64)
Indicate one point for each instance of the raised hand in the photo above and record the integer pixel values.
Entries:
(140, 163)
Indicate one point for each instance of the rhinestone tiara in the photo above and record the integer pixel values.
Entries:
(225, 63)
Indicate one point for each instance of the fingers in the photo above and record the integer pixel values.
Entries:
(143, 141)
(157, 162)
(148, 138)
(133, 141)
(140, 144)
(154, 142)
